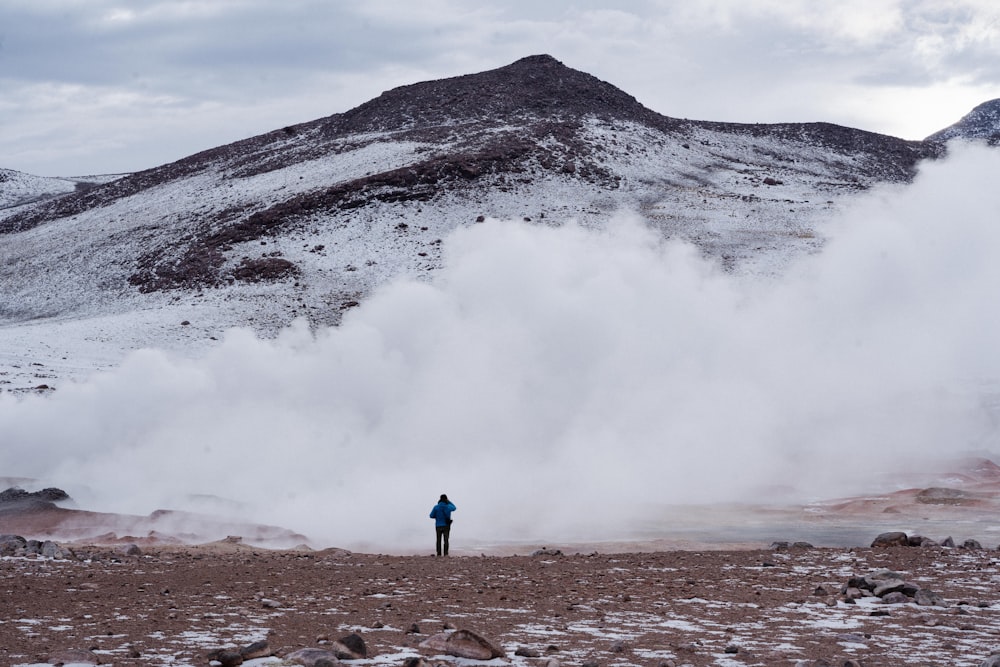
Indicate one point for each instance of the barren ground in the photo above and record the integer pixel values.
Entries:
(172, 605)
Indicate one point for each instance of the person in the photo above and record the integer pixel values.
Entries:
(441, 513)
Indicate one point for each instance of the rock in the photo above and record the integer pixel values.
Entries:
(895, 597)
(228, 658)
(802, 545)
(545, 551)
(617, 646)
(269, 603)
(992, 661)
(313, 657)
(52, 550)
(871, 581)
(852, 593)
(888, 586)
(891, 539)
(778, 546)
(462, 644)
(256, 650)
(972, 545)
(926, 598)
(130, 549)
(10, 545)
(351, 647)
(526, 652)
(16, 498)
(74, 656)
(948, 543)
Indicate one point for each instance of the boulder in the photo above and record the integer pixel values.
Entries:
(11, 545)
(256, 650)
(895, 597)
(891, 539)
(545, 551)
(130, 549)
(17, 499)
(313, 657)
(462, 644)
(351, 647)
(888, 586)
(926, 598)
(50, 549)
(972, 545)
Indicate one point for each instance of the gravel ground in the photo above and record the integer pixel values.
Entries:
(172, 605)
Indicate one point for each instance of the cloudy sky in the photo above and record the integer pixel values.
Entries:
(107, 86)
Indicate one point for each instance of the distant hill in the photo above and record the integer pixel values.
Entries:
(983, 122)
(306, 220)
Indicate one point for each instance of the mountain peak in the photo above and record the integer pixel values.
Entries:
(983, 122)
(537, 85)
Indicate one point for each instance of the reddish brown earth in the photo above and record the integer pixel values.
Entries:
(666, 600)
(172, 605)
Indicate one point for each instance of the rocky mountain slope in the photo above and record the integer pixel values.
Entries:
(306, 220)
(982, 123)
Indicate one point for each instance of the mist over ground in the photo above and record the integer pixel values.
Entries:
(567, 383)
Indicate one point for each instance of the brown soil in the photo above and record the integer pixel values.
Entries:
(173, 604)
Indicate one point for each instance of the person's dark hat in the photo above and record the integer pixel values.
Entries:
(443, 498)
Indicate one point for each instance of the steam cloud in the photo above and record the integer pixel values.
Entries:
(568, 382)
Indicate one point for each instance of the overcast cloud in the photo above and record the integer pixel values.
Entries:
(110, 86)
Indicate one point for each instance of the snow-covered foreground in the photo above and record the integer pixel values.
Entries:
(560, 382)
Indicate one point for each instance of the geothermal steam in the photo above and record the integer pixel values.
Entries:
(567, 383)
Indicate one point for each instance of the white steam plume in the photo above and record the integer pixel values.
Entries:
(568, 383)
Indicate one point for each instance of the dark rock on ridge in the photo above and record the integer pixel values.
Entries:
(537, 91)
(982, 123)
(17, 499)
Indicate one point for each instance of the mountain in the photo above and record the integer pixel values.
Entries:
(304, 221)
(18, 189)
(983, 122)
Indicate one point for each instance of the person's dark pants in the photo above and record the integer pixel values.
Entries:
(442, 535)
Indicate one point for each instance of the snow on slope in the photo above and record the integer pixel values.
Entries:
(687, 189)
(982, 123)
(17, 188)
(346, 204)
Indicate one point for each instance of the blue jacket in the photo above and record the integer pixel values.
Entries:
(442, 513)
